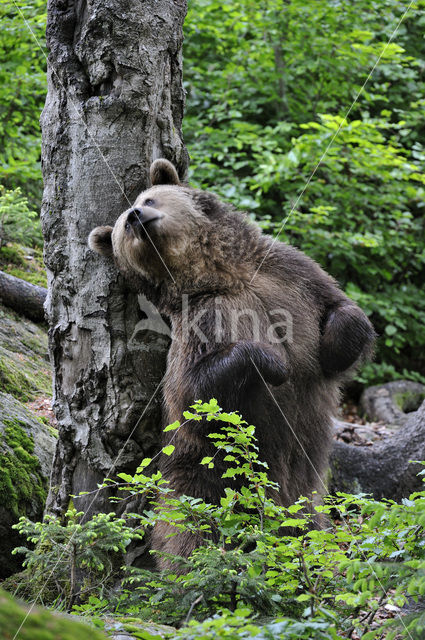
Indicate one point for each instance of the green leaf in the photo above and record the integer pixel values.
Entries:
(172, 427)
(168, 450)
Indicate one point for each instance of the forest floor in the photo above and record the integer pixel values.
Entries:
(355, 430)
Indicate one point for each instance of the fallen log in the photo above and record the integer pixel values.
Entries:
(387, 469)
(21, 296)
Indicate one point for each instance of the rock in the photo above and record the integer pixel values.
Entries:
(27, 447)
(130, 628)
(25, 370)
(392, 402)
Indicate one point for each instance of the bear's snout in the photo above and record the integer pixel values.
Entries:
(135, 217)
(138, 218)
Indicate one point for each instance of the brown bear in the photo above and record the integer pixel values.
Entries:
(256, 324)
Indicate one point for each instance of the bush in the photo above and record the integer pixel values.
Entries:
(250, 578)
(22, 94)
(65, 551)
(18, 223)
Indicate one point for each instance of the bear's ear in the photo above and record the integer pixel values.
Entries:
(163, 172)
(100, 240)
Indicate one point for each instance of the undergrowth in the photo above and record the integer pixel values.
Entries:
(251, 578)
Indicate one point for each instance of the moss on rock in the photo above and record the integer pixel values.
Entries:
(21, 479)
(22, 379)
(409, 401)
(12, 254)
(40, 624)
(26, 451)
(24, 367)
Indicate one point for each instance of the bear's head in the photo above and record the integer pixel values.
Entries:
(174, 230)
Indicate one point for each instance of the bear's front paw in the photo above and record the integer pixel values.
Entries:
(238, 365)
(269, 365)
(259, 360)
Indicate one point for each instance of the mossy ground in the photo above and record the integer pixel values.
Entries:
(24, 368)
(23, 262)
(22, 379)
(40, 624)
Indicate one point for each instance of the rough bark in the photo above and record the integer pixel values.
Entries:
(115, 102)
(25, 298)
(387, 469)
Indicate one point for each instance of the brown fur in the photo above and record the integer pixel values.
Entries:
(211, 252)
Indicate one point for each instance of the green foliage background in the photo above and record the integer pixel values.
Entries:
(22, 94)
(269, 83)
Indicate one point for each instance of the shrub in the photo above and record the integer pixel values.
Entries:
(327, 583)
(64, 550)
(250, 578)
(18, 223)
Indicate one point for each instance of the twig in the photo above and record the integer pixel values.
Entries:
(372, 614)
(192, 606)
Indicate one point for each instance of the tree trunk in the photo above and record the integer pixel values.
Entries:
(21, 296)
(387, 469)
(115, 102)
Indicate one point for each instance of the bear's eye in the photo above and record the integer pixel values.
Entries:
(149, 202)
